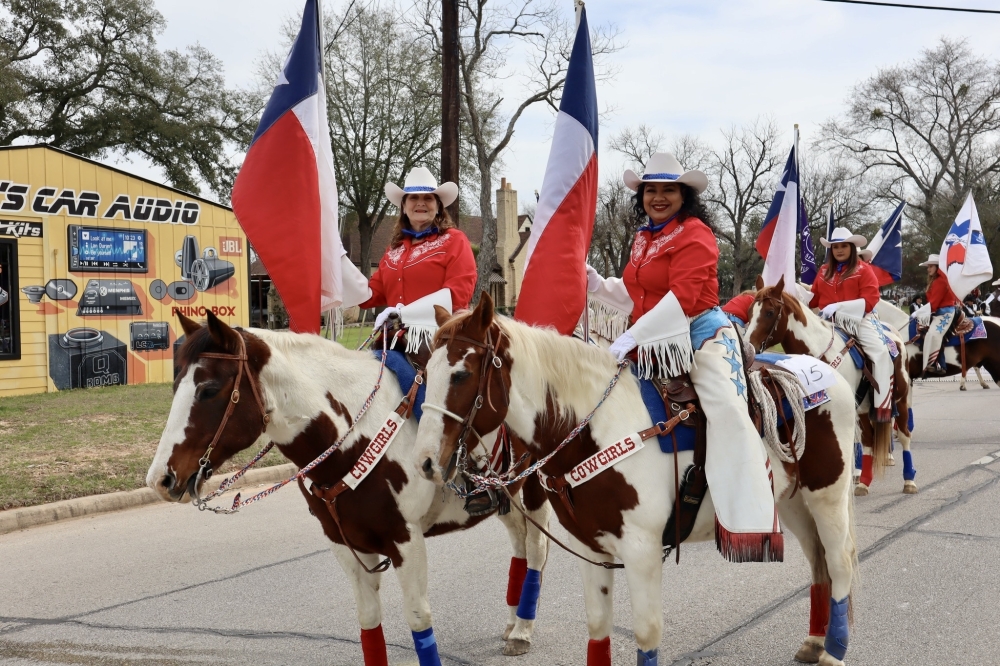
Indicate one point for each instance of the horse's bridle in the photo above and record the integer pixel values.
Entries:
(204, 464)
(781, 309)
(490, 362)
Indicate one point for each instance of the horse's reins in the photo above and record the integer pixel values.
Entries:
(204, 463)
(490, 359)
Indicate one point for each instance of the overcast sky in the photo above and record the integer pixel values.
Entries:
(687, 66)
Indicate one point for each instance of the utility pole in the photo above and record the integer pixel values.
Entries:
(450, 110)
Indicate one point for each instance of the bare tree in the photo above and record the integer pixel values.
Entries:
(491, 31)
(383, 101)
(927, 131)
(741, 185)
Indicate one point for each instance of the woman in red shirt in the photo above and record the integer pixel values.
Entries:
(428, 261)
(846, 291)
(941, 302)
(670, 286)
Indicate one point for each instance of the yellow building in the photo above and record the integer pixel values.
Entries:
(95, 264)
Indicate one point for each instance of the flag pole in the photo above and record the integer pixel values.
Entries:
(334, 318)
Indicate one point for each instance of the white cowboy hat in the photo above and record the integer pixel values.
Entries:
(842, 235)
(866, 255)
(996, 283)
(664, 168)
(420, 179)
(932, 260)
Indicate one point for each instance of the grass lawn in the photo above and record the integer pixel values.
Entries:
(56, 446)
(354, 336)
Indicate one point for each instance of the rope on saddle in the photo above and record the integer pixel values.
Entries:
(788, 384)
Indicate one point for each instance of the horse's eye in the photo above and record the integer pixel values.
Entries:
(460, 377)
(770, 313)
(208, 393)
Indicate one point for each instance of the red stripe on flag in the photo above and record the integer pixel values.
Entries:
(276, 200)
(764, 239)
(554, 289)
(883, 276)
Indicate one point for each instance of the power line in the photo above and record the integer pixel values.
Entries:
(907, 6)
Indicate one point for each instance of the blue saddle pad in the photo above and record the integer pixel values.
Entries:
(658, 413)
(978, 332)
(405, 374)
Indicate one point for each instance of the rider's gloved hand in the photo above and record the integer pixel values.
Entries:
(594, 279)
(385, 314)
(827, 312)
(622, 346)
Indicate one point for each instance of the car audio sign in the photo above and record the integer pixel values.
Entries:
(48, 200)
(100, 263)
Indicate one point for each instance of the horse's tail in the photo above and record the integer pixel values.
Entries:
(881, 446)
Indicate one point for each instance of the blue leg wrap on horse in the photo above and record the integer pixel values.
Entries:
(909, 471)
(426, 646)
(858, 453)
(646, 658)
(837, 631)
(909, 418)
(529, 595)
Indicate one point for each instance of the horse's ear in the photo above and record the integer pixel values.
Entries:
(760, 282)
(483, 314)
(190, 326)
(222, 334)
(781, 284)
(441, 315)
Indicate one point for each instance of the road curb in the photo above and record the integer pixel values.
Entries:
(13, 520)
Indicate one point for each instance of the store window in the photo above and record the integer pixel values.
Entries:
(10, 342)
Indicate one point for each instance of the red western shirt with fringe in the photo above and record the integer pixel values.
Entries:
(682, 257)
(939, 293)
(413, 270)
(861, 283)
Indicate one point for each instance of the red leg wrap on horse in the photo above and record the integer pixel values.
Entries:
(819, 609)
(373, 647)
(866, 470)
(599, 652)
(515, 580)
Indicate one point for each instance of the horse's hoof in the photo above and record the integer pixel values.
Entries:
(515, 646)
(909, 488)
(810, 651)
(962, 388)
(827, 659)
(506, 632)
(860, 490)
(891, 462)
(986, 386)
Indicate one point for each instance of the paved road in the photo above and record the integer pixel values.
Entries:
(165, 584)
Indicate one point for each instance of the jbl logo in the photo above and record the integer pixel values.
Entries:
(230, 246)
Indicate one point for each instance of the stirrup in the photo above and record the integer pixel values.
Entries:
(480, 504)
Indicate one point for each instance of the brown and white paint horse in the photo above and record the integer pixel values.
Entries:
(778, 317)
(542, 384)
(312, 388)
(982, 353)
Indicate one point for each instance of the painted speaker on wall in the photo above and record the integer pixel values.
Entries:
(87, 358)
(205, 271)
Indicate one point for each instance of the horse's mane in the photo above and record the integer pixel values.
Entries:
(290, 342)
(572, 369)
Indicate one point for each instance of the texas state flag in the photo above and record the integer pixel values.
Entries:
(285, 196)
(964, 256)
(777, 239)
(887, 248)
(554, 288)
